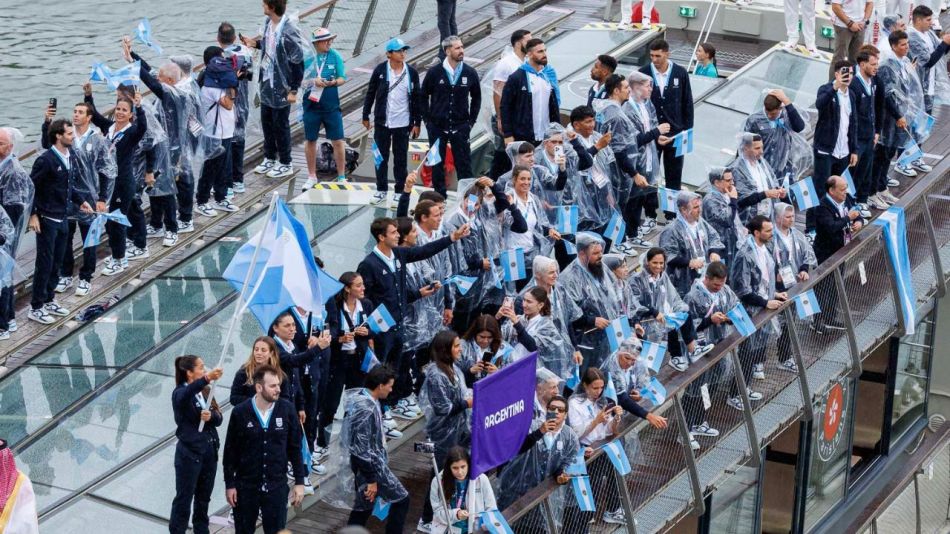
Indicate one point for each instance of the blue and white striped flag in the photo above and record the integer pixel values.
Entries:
(683, 142)
(652, 354)
(806, 304)
(853, 191)
(502, 356)
(127, 75)
(369, 360)
(567, 219)
(100, 73)
(569, 248)
(610, 391)
(667, 198)
(805, 195)
(741, 320)
(583, 493)
(575, 379)
(618, 456)
(911, 153)
(143, 34)
(464, 283)
(98, 226)
(512, 264)
(381, 509)
(617, 331)
(895, 238)
(678, 319)
(496, 280)
(579, 466)
(615, 230)
(923, 124)
(470, 202)
(654, 391)
(377, 155)
(433, 157)
(494, 522)
(380, 320)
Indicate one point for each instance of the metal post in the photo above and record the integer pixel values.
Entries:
(849, 323)
(406, 20)
(796, 349)
(364, 29)
(935, 250)
(328, 16)
(608, 6)
(700, 506)
(549, 516)
(754, 456)
(625, 502)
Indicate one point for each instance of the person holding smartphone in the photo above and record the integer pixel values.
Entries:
(834, 141)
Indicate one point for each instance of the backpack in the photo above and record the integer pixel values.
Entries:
(220, 73)
(327, 165)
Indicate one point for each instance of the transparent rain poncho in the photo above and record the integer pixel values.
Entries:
(543, 179)
(902, 92)
(538, 224)
(592, 190)
(7, 251)
(683, 241)
(555, 352)
(623, 143)
(155, 141)
(445, 409)
(472, 353)
(440, 267)
(98, 170)
(788, 152)
(934, 80)
(629, 305)
(792, 251)
(633, 378)
(746, 278)
(363, 443)
(529, 469)
(703, 303)
(752, 178)
(424, 315)
(564, 311)
(281, 59)
(718, 212)
(648, 161)
(544, 158)
(595, 295)
(16, 195)
(242, 104)
(658, 296)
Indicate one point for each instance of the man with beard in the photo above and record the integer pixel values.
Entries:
(531, 96)
(510, 62)
(604, 66)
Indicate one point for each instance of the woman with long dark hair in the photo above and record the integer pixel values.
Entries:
(455, 509)
(196, 454)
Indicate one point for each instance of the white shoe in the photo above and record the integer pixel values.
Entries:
(888, 197)
(12, 326)
(265, 166)
(895, 183)
(703, 429)
(906, 171)
(171, 238)
(863, 210)
(921, 166)
(755, 396)
(307, 487)
(206, 210)
(789, 365)
(320, 454)
(136, 253)
(318, 469)
(813, 50)
(65, 282)
(186, 227)
(151, 231)
(82, 288)
(311, 181)
(790, 44)
(392, 433)
(615, 518)
(281, 171)
(4, 335)
(735, 402)
(424, 527)
(876, 202)
(230, 194)
(113, 268)
(239, 188)
(40, 316)
(224, 205)
(379, 197)
(679, 363)
(53, 308)
(758, 372)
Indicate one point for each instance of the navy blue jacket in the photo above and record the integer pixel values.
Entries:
(865, 111)
(829, 228)
(516, 116)
(291, 364)
(450, 107)
(255, 456)
(826, 129)
(54, 185)
(675, 105)
(378, 94)
(126, 144)
(386, 287)
(187, 412)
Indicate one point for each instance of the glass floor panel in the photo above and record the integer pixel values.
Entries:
(90, 515)
(797, 75)
(573, 49)
(715, 142)
(344, 248)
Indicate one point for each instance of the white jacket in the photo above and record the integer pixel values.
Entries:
(480, 498)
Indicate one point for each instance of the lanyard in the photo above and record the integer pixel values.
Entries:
(265, 421)
(390, 263)
(697, 243)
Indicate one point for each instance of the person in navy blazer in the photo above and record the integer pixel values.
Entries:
(517, 117)
(835, 150)
(673, 100)
(867, 108)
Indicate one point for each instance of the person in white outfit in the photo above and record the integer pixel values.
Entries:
(456, 500)
(804, 9)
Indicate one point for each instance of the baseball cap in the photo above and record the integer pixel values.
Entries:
(396, 44)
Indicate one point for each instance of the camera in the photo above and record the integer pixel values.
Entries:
(424, 446)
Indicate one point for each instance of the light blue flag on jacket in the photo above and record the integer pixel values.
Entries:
(494, 522)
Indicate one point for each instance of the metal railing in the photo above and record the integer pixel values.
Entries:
(857, 292)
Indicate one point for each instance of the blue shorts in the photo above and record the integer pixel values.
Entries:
(332, 121)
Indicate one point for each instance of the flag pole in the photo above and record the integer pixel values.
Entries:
(239, 308)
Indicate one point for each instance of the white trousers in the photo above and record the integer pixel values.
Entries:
(806, 10)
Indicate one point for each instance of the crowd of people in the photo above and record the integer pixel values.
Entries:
(550, 253)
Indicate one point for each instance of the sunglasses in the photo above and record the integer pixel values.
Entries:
(556, 409)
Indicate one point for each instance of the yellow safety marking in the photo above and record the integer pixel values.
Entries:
(345, 187)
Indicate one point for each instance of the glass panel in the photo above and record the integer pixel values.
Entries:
(345, 247)
(734, 507)
(911, 382)
(89, 515)
(703, 84)
(715, 142)
(829, 455)
(798, 76)
(157, 473)
(140, 322)
(573, 49)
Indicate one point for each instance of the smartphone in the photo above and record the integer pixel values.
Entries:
(845, 71)
(487, 357)
(551, 415)
(52, 103)
(432, 285)
(558, 151)
(509, 302)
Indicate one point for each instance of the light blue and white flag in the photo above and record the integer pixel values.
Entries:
(567, 219)
(377, 155)
(652, 355)
(610, 391)
(503, 355)
(583, 493)
(667, 198)
(923, 124)
(805, 195)
(512, 264)
(470, 202)
(895, 238)
(911, 153)
(496, 280)
(654, 391)
(100, 73)
(806, 304)
(678, 319)
(380, 320)
(127, 75)
(433, 157)
(683, 142)
(464, 283)
(618, 456)
(579, 466)
(143, 34)
(569, 248)
(369, 360)
(99, 224)
(494, 522)
(615, 230)
(575, 379)
(617, 331)
(741, 320)
(381, 509)
(853, 191)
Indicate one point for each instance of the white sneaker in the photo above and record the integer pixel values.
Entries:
(790, 44)
(311, 181)
(813, 50)
(186, 227)
(4, 335)
(413, 402)
(906, 171)
(392, 433)
(239, 188)
(693, 444)
(136, 253)
(53, 308)
(206, 210)
(863, 210)
(151, 231)
(113, 268)
(12, 326)
(789, 365)
(82, 288)
(679, 363)
(758, 372)
(65, 282)
(895, 183)
(318, 469)
(224, 205)
(921, 166)
(320, 454)
(388, 420)
(379, 197)
(404, 411)
(615, 518)
(40, 316)
(701, 350)
(281, 171)
(307, 487)
(264, 166)
(876, 202)
(735, 402)
(755, 396)
(888, 197)
(230, 194)
(424, 527)
(703, 429)
(171, 238)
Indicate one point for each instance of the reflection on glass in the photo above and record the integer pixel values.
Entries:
(911, 383)
(798, 76)
(89, 515)
(734, 508)
(831, 430)
(572, 51)
(701, 85)
(345, 247)
(715, 142)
